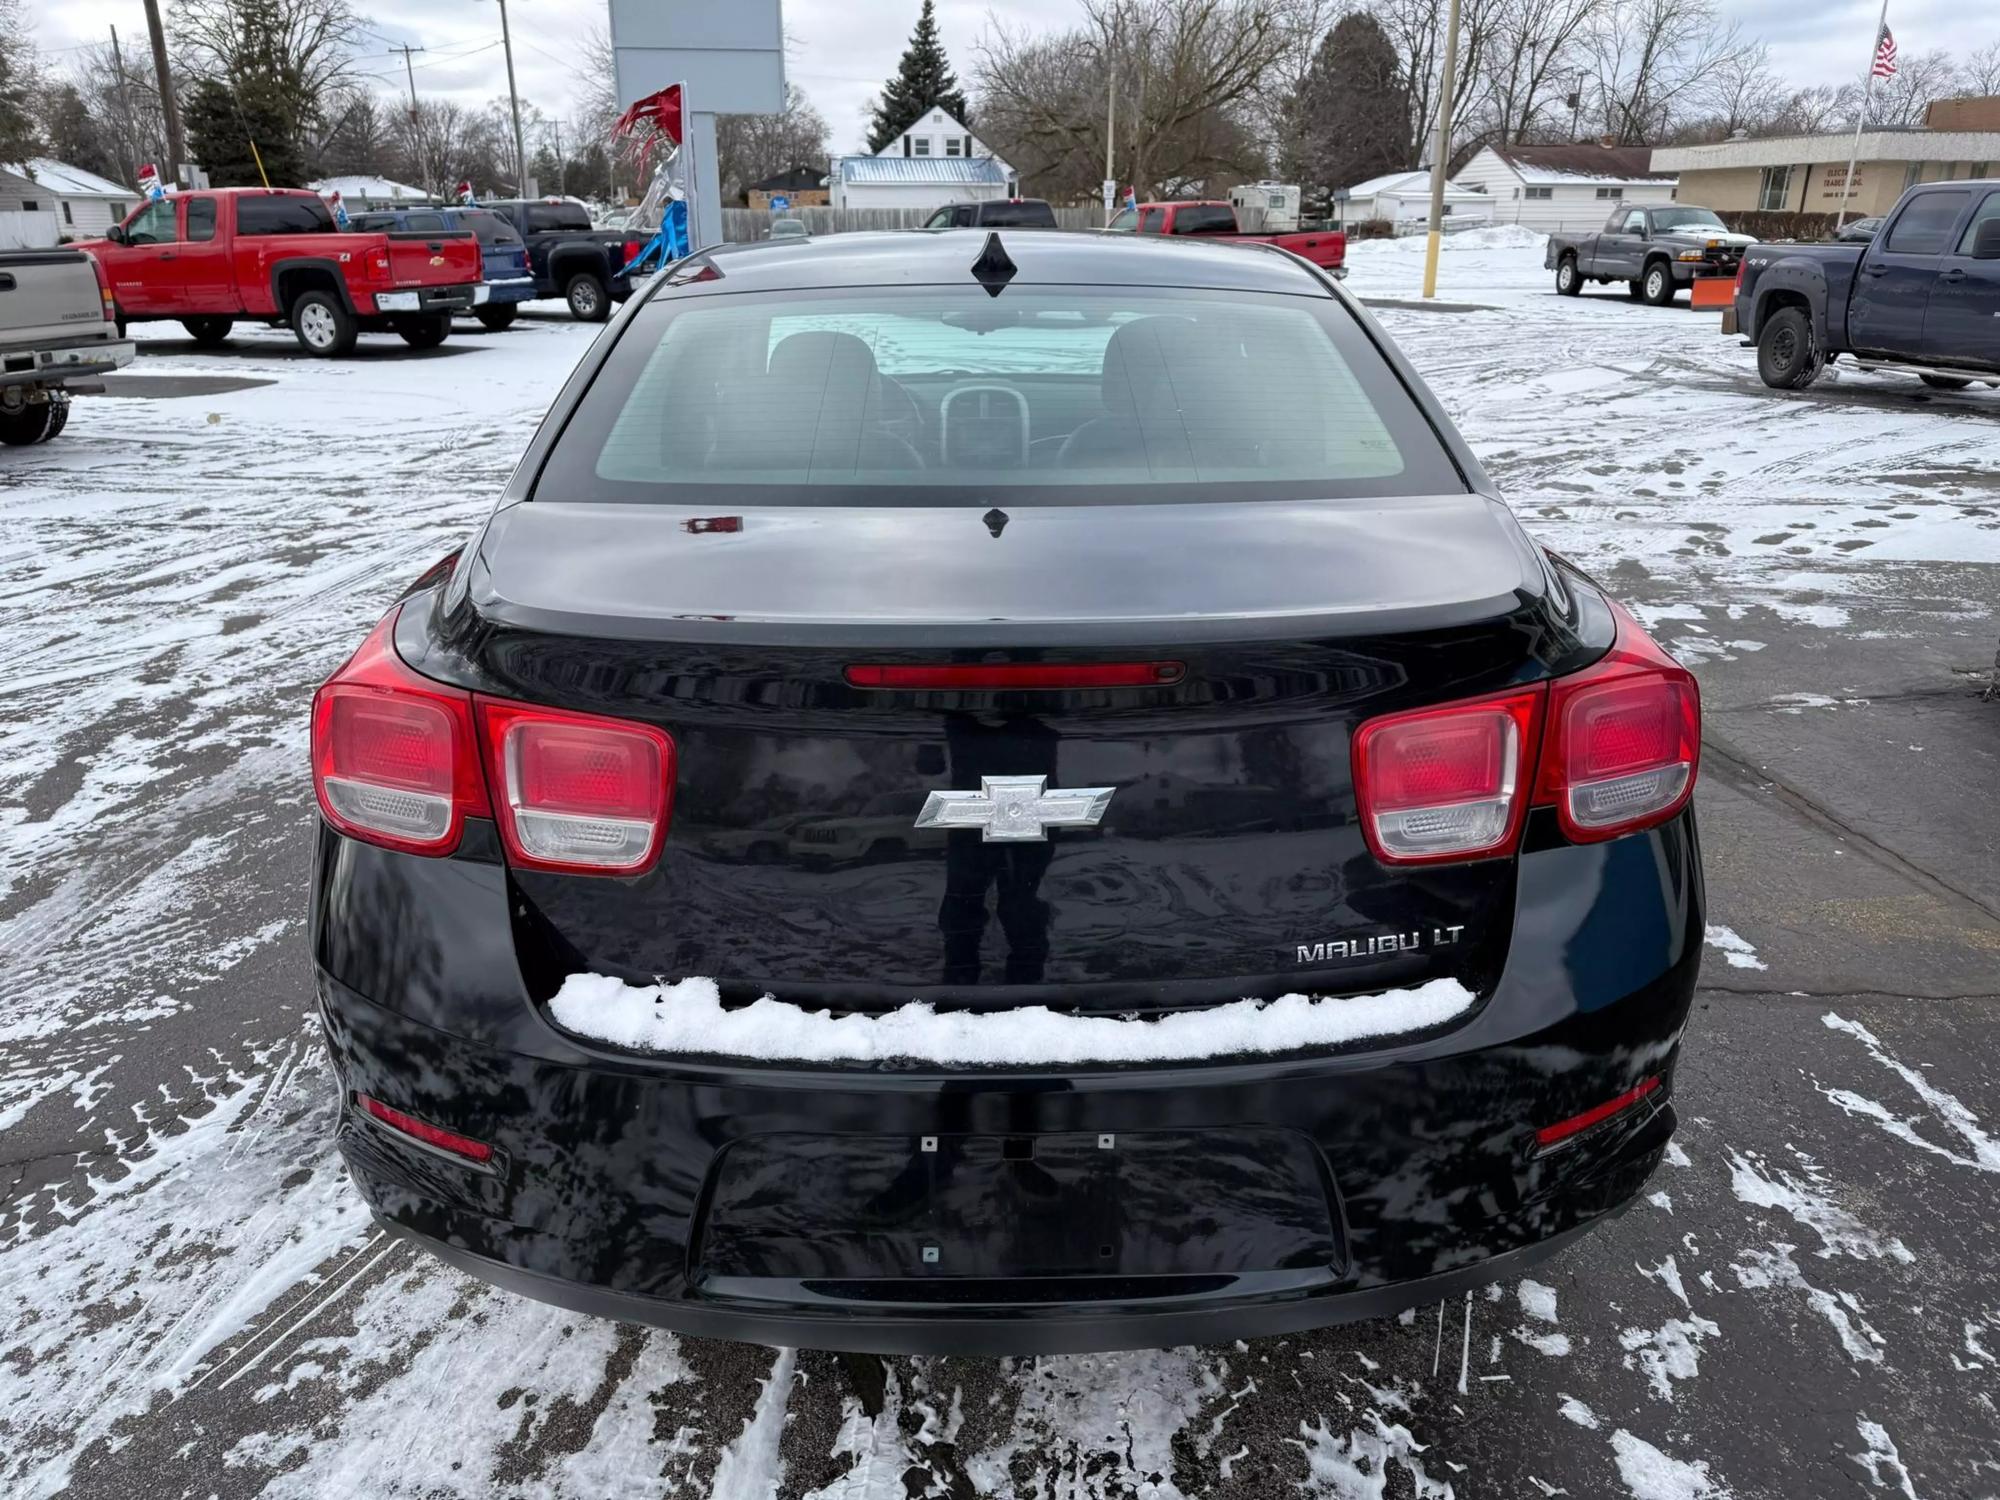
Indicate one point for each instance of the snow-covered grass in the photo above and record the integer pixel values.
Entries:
(688, 1018)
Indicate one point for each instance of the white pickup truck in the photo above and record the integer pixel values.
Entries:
(58, 333)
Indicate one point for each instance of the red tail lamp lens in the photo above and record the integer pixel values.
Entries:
(395, 759)
(1446, 783)
(578, 793)
(421, 1130)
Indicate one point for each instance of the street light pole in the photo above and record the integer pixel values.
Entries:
(1441, 153)
(1110, 114)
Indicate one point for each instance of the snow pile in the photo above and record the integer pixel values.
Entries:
(1487, 237)
(688, 1017)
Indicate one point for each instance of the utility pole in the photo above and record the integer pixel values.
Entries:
(1111, 115)
(562, 162)
(1441, 153)
(124, 103)
(416, 129)
(514, 98)
(169, 106)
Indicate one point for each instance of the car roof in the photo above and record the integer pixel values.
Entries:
(943, 256)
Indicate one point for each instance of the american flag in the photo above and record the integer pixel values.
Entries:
(1885, 56)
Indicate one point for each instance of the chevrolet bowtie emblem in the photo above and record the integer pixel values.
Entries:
(1015, 808)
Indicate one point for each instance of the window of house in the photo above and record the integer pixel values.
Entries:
(906, 145)
(1538, 192)
(1611, 192)
(920, 145)
(951, 145)
(1774, 189)
(31, 205)
(68, 217)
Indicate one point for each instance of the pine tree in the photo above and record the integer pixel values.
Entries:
(924, 81)
(1352, 114)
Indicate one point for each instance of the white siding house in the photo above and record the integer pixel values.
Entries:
(1564, 189)
(935, 162)
(84, 204)
(358, 193)
(1401, 197)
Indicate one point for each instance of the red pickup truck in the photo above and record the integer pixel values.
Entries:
(274, 254)
(1325, 248)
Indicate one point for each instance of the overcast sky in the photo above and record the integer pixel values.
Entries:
(843, 49)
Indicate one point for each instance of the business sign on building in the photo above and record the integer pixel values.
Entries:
(731, 56)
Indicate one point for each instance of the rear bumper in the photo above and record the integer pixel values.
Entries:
(52, 364)
(429, 299)
(694, 1196)
(514, 289)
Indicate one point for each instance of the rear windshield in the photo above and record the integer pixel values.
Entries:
(302, 215)
(562, 216)
(1205, 218)
(1020, 215)
(1045, 395)
(488, 229)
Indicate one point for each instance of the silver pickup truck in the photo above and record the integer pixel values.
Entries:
(57, 335)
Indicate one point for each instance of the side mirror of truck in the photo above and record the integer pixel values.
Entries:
(1986, 242)
(115, 234)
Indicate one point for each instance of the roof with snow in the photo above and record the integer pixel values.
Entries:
(1401, 184)
(926, 171)
(1586, 162)
(369, 187)
(60, 178)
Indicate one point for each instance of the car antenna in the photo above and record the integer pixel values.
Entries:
(994, 269)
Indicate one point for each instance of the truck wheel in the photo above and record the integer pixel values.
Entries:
(493, 319)
(1657, 285)
(210, 333)
(1788, 357)
(34, 424)
(588, 298)
(1944, 382)
(1568, 282)
(425, 331)
(322, 326)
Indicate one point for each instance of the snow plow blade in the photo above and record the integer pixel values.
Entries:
(1711, 291)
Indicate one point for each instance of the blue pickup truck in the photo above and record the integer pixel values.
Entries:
(1922, 297)
(504, 258)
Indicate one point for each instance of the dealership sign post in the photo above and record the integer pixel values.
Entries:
(731, 56)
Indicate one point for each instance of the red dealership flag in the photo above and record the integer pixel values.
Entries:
(1885, 55)
(661, 110)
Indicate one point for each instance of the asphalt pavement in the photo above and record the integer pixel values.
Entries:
(192, 1302)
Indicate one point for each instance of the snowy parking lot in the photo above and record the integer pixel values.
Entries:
(193, 1301)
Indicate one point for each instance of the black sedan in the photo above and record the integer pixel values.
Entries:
(1231, 879)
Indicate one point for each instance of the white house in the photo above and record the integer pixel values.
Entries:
(358, 193)
(935, 162)
(84, 204)
(1402, 196)
(1564, 189)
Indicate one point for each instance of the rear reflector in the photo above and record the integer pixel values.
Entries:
(1036, 677)
(1562, 1130)
(1446, 783)
(578, 793)
(395, 759)
(430, 1135)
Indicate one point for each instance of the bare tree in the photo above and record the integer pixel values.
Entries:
(1818, 110)
(1921, 78)
(313, 42)
(1979, 71)
(1535, 64)
(749, 148)
(1189, 75)
(1651, 60)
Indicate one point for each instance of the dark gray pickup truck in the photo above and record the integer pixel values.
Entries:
(58, 334)
(1922, 297)
(1655, 250)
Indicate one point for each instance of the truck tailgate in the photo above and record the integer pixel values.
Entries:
(423, 258)
(49, 296)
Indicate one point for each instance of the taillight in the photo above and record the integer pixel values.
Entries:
(578, 793)
(1624, 740)
(395, 759)
(104, 296)
(377, 263)
(1446, 783)
(1620, 746)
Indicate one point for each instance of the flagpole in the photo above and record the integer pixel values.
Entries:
(1867, 96)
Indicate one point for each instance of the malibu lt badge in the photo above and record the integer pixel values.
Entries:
(1382, 945)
